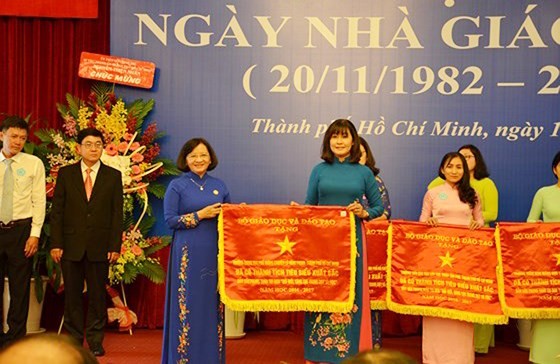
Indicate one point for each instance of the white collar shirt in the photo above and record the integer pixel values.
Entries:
(94, 171)
(30, 198)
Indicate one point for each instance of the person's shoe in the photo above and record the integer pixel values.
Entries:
(98, 351)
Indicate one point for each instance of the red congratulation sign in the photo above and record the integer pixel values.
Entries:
(376, 240)
(119, 70)
(287, 258)
(445, 271)
(531, 260)
(50, 8)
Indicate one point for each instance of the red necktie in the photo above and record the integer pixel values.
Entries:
(88, 184)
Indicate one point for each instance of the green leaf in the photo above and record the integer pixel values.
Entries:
(130, 273)
(154, 248)
(153, 271)
(128, 222)
(102, 90)
(139, 109)
(157, 189)
(45, 135)
(146, 224)
(29, 148)
(39, 292)
(62, 109)
(169, 167)
(159, 135)
(74, 104)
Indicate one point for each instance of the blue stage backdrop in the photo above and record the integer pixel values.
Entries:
(262, 79)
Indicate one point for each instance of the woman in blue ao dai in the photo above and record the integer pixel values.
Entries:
(193, 329)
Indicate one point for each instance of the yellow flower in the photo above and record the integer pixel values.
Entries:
(83, 116)
(114, 125)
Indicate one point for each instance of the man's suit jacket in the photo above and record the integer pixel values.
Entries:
(91, 227)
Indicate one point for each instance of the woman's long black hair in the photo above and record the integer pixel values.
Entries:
(467, 194)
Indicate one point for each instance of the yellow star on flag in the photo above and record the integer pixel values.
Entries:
(557, 256)
(447, 260)
(286, 245)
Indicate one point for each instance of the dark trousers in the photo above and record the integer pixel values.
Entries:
(95, 276)
(17, 267)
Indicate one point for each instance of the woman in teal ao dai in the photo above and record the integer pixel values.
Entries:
(193, 330)
(340, 180)
(545, 343)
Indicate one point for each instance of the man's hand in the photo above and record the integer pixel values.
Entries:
(31, 246)
(112, 257)
(56, 255)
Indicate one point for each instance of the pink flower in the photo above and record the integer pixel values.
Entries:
(111, 149)
(136, 170)
(137, 158)
(122, 147)
(128, 136)
(136, 250)
(135, 146)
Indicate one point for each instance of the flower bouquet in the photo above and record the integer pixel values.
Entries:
(131, 147)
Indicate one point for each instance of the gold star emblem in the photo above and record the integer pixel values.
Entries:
(447, 260)
(557, 256)
(286, 245)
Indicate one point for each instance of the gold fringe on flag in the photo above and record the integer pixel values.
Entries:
(287, 305)
(430, 310)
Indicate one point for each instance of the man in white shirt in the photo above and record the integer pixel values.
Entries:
(22, 212)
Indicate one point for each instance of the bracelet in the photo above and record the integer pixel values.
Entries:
(189, 220)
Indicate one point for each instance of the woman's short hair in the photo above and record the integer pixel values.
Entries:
(188, 147)
(370, 159)
(340, 126)
(480, 169)
(555, 162)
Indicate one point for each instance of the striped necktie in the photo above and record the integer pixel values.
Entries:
(7, 208)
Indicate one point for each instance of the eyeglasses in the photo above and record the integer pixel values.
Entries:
(467, 157)
(89, 145)
(197, 156)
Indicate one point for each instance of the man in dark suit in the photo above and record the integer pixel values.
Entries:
(86, 233)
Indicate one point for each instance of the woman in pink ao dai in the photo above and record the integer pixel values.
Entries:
(447, 341)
